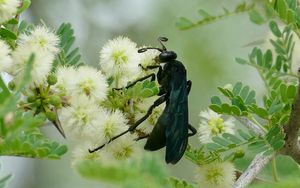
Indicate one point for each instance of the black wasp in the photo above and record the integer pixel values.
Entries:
(171, 129)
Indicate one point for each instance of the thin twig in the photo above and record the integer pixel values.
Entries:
(257, 164)
(291, 130)
(250, 125)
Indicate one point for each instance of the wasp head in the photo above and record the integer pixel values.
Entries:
(165, 55)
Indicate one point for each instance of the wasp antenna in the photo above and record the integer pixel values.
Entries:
(161, 40)
(142, 50)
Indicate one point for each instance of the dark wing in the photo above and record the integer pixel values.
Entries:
(177, 109)
(157, 138)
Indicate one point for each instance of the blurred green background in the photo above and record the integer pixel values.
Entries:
(208, 53)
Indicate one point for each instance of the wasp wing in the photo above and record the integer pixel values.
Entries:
(157, 138)
(177, 128)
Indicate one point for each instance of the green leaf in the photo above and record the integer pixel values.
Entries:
(221, 141)
(176, 183)
(68, 56)
(4, 92)
(13, 21)
(274, 28)
(7, 34)
(232, 138)
(184, 23)
(216, 100)
(275, 108)
(226, 108)
(237, 88)
(279, 62)
(291, 91)
(256, 17)
(244, 92)
(226, 92)
(268, 59)
(259, 57)
(235, 110)
(203, 13)
(283, 92)
(282, 8)
(215, 108)
(291, 16)
(24, 6)
(250, 98)
(243, 134)
(241, 61)
(278, 145)
(261, 112)
(213, 147)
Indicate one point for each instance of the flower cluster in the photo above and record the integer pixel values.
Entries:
(212, 124)
(216, 175)
(40, 42)
(8, 9)
(95, 111)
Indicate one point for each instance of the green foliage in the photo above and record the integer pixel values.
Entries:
(287, 10)
(68, 56)
(184, 23)
(241, 99)
(280, 96)
(200, 156)
(21, 137)
(143, 89)
(24, 6)
(19, 131)
(127, 174)
(228, 144)
(270, 67)
(176, 183)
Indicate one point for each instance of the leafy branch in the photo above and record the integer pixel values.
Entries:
(184, 23)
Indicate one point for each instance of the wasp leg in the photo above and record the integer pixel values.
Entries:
(189, 86)
(194, 131)
(156, 103)
(150, 67)
(152, 76)
(142, 137)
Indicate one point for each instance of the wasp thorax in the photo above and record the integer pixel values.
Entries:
(167, 56)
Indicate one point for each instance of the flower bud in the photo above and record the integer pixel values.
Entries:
(51, 79)
(55, 100)
(37, 103)
(239, 154)
(11, 85)
(51, 115)
(42, 116)
(31, 98)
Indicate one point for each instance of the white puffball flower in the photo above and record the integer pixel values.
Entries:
(41, 66)
(81, 153)
(44, 45)
(123, 147)
(148, 125)
(119, 59)
(8, 9)
(5, 58)
(148, 58)
(42, 37)
(65, 79)
(216, 175)
(212, 124)
(91, 83)
(80, 118)
(110, 124)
